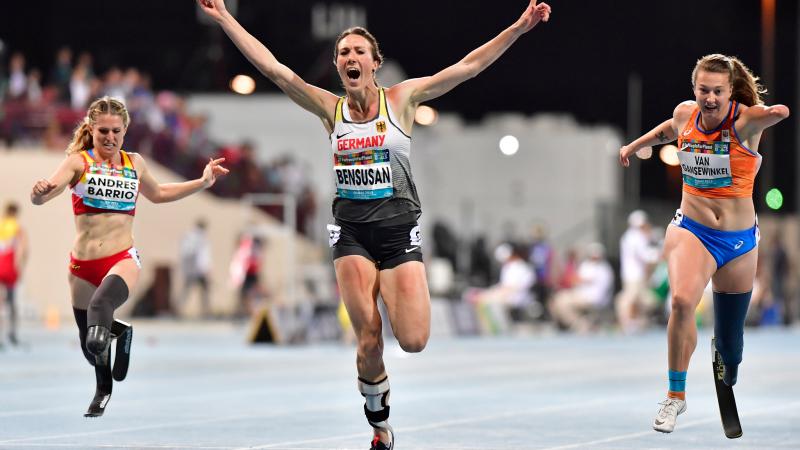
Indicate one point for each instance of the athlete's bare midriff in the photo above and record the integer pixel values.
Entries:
(727, 214)
(102, 234)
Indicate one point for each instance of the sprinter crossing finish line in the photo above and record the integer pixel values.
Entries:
(375, 240)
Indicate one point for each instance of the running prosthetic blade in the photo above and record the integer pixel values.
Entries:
(98, 405)
(123, 333)
(725, 398)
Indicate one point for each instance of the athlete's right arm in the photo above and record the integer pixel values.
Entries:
(667, 131)
(311, 98)
(48, 188)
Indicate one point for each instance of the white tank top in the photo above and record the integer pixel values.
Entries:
(372, 168)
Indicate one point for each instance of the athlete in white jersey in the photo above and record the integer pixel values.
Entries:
(375, 240)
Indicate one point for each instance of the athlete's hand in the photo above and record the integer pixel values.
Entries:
(533, 15)
(212, 171)
(624, 153)
(40, 189)
(214, 8)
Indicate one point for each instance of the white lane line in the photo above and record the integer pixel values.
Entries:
(446, 423)
(622, 437)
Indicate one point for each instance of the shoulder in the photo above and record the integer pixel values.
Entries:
(135, 157)
(684, 110)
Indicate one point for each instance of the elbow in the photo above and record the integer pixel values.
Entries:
(780, 111)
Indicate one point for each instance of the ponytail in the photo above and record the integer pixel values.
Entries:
(81, 138)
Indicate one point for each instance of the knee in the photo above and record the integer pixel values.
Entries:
(683, 306)
(414, 344)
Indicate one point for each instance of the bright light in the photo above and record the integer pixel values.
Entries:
(243, 84)
(669, 155)
(645, 153)
(426, 115)
(509, 145)
(775, 198)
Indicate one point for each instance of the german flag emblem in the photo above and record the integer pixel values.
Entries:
(381, 126)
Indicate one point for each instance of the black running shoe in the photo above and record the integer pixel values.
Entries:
(378, 445)
(98, 405)
(123, 332)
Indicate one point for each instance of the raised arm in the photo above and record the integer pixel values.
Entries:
(318, 101)
(419, 90)
(667, 131)
(48, 188)
(169, 192)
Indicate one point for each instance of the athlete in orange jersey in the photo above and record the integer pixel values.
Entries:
(104, 265)
(714, 234)
(375, 241)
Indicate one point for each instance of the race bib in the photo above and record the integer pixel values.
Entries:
(111, 192)
(706, 164)
(364, 175)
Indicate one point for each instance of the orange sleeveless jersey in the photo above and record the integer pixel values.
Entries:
(715, 163)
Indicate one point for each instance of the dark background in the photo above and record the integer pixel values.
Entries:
(579, 63)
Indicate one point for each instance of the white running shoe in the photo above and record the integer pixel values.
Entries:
(668, 414)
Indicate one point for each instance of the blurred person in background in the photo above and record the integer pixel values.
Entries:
(591, 293)
(13, 255)
(541, 256)
(104, 266)
(376, 242)
(195, 256)
(714, 234)
(638, 257)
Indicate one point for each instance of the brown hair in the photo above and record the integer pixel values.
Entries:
(12, 209)
(82, 137)
(746, 88)
(361, 31)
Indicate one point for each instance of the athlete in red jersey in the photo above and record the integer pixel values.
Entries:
(13, 254)
(714, 234)
(104, 265)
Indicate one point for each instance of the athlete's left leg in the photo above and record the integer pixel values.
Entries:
(110, 295)
(404, 290)
(733, 285)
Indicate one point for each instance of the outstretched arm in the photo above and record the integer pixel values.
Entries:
(422, 89)
(169, 192)
(48, 188)
(667, 131)
(318, 101)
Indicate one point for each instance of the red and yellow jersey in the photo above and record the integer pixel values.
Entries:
(715, 163)
(9, 238)
(104, 187)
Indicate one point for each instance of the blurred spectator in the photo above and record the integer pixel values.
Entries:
(512, 291)
(445, 243)
(17, 80)
(638, 256)
(541, 257)
(245, 271)
(780, 275)
(80, 88)
(34, 87)
(61, 74)
(195, 256)
(480, 263)
(571, 308)
(568, 275)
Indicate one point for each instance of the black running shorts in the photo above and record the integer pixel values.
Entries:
(388, 243)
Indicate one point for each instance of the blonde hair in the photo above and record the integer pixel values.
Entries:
(82, 137)
(746, 88)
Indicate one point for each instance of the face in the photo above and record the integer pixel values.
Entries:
(354, 62)
(712, 91)
(107, 134)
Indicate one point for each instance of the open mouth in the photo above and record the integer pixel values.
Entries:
(353, 73)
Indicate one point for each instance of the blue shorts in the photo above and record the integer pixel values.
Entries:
(724, 246)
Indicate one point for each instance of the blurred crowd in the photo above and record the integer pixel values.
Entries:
(584, 290)
(42, 108)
